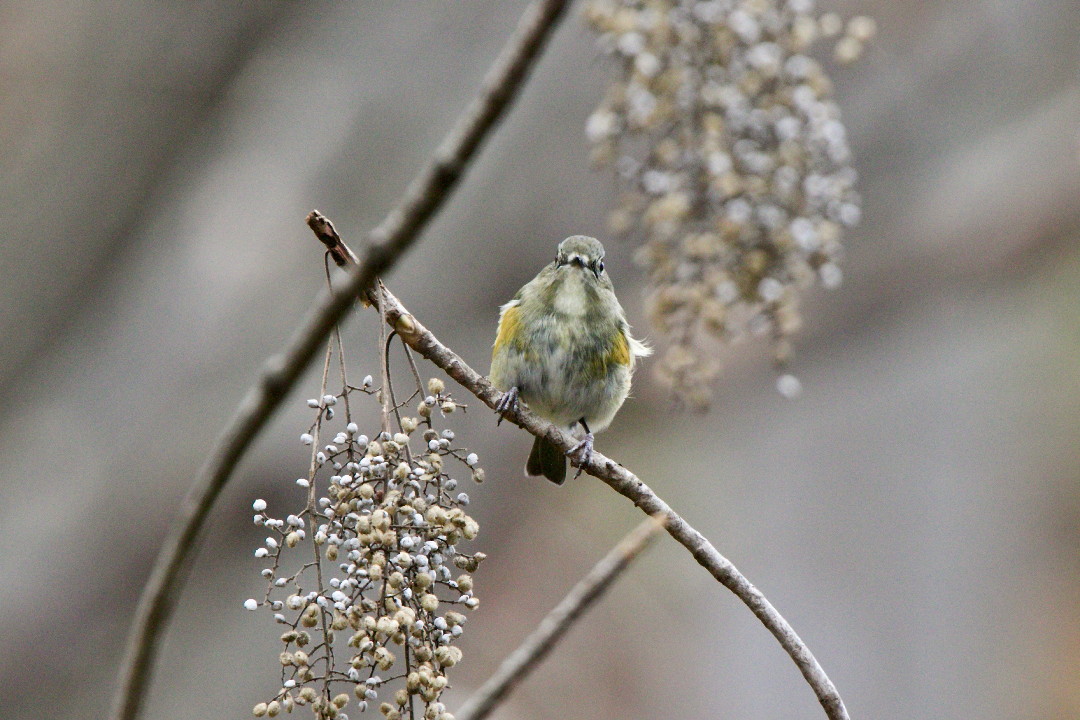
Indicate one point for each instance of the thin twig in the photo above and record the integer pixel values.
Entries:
(412, 366)
(386, 393)
(388, 389)
(314, 522)
(627, 484)
(517, 666)
(387, 242)
(344, 378)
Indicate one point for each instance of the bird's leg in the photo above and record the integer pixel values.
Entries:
(508, 404)
(583, 450)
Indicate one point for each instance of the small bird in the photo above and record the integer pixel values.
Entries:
(564, 348)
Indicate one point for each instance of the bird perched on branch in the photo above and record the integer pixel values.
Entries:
(564, 348)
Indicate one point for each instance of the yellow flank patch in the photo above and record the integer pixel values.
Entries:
(620, 353)
(601, 366)
(509, 327)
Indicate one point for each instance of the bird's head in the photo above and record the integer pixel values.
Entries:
(582, 252)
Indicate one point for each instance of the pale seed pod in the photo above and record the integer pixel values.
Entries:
(447, 656)
(384, 658)
(405, 617)
(386, 625)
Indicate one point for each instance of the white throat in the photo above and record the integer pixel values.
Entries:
(570, 299)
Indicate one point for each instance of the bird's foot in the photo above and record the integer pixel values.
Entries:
(581, 454)
(507, 405)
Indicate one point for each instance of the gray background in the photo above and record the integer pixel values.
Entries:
(914, 514)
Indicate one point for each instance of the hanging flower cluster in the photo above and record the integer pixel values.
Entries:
(734, 163)
(375, 605)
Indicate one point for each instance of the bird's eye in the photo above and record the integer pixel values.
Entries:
(600, 266)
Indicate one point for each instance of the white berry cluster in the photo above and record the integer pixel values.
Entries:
(734, 166)
(377, 602)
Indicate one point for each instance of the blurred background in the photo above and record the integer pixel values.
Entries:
(914, 514)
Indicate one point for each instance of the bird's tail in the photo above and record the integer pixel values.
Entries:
(547, 460)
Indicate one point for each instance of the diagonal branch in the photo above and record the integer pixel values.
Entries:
(386, 244)
(615, 476)
(517, 666)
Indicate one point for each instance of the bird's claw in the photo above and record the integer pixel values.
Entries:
(581, 454)
(507, 405)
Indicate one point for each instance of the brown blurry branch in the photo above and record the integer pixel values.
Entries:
(615, 475)
(517, 666)
(385, 245)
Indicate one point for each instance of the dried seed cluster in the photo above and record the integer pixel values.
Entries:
(735, 166)
(386, 586)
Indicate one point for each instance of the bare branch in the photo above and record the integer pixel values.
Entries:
(386, 244)
(517, 666)
(630, 486)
